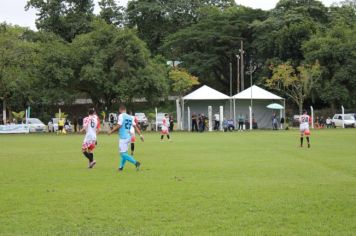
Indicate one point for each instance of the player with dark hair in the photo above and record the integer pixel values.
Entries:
(91, 125)
(133, 133)
(125, 122)
(165, 127)
(304, 121)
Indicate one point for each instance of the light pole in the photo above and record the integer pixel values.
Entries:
(250, 72)
(238, 73)
(242, 52)
(230, 89)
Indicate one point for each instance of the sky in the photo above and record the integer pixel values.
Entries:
(13, 12)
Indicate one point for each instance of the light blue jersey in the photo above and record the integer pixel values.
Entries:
(126, 122)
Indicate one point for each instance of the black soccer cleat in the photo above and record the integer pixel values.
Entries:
(138, 164)
(120, 169)
(308, 145)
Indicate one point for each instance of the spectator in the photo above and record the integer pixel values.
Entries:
(66, 125)
(194, 122)
(225, 125)
(80, 123)
(200, 122)
(230, 125)
(171, 123)
(241, 120)
(75, 123)
(317, 123)
(217, 121)
(111, 121)
(322, 122)
(60, 125)
(328, 123)
(282, 122)
(274, 122)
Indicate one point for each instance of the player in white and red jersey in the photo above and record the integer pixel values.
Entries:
(304, 122)
(91, 125)
(133, 133)
(165, 127)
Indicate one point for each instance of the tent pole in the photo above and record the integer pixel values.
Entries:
(182, 124)
(234, 104)
(284, 116)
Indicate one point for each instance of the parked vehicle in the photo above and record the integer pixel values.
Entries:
(159, 121)
(53, 125)
(349, 120)
(36, 125)
(142, 120)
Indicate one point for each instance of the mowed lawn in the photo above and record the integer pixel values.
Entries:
(258, 183)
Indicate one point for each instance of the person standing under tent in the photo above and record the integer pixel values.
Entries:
(217, 121)
(241, 120)
(194, 122)
(171, 123)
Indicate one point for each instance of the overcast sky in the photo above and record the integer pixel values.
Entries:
(12, 11)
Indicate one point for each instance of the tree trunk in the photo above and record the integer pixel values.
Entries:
(4, 111)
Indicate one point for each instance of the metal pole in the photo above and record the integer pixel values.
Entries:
(242, 66)
(230, 90)
(238, 73)
(251, 118)
(343, 118)
(312, 116)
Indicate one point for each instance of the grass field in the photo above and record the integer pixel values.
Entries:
(258, 183)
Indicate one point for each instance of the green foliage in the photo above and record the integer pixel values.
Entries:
(182, 81)
(111, 12)
(297, 84)
(61, 115)
(19, 116)
(66, 18)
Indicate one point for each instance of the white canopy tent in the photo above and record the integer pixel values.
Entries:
(260, 99)
(198, 102)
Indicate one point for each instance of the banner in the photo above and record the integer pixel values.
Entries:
(14, 129)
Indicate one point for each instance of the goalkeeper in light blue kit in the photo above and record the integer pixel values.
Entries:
(125, 122)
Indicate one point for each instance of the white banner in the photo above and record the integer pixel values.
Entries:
(14, 129)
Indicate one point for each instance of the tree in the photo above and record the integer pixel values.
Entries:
(207, 47)
(297, 84)
(336, 51)
(18, 58)
(182, 82)
(66, 18)
(114, 65)
(156, 19)
(111, 12)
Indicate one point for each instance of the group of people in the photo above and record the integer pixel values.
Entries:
(321, 123)
(126, 127)
(199, 122)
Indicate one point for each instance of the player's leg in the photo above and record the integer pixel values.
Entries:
(301, 138)
(91, 154)
(132, 148)
(125, 156)
(307, 134)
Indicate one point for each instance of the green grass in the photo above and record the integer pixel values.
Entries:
(258, 183)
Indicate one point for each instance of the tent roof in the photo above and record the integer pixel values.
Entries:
(257, 93)
(206, 93)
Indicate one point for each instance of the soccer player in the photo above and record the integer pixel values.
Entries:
(91, 125)
(125, 122)
(165, 127)
(304, 121)
(133, 134)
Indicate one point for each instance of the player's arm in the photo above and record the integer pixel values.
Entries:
(138, 131)
(85, 125)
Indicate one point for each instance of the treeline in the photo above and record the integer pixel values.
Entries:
(121, 53)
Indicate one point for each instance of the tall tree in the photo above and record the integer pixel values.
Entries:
(111, 12)
(112, 65)
(66, 18)
(156, 19)
(18, 59)
(295, 84)
(207, 47)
